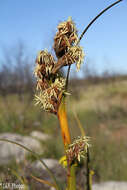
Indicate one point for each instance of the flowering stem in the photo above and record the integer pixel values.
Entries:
(62, 116)
(72, 178)
(102, 12)
(88, 26)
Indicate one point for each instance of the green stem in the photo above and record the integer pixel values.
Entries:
(88, 174)
(67, 78)
(88, 26)
(102, 12)
(72, 178)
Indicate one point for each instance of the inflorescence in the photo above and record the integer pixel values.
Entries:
(77, 149)
(50, 83)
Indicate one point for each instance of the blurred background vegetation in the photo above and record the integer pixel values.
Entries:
(100, 102)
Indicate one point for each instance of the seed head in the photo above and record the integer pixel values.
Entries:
(42, 84)
(50, 84)
(50, 98)
(75, 54)
(77, 149)
(45, 62)
(65, 37)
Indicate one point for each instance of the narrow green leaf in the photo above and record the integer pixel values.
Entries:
(43, 181)
(36, 156)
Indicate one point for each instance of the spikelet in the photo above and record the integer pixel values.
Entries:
(77, 149)
(75, 54)
(44, 64)
(65, 37)
(50, 98)
(42, 84)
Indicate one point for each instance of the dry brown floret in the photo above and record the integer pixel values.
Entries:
(65, 37)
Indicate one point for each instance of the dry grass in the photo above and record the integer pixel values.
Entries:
(102, 110)
(101, 96)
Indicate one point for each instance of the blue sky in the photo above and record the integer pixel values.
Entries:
(34, 22)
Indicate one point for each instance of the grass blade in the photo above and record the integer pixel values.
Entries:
(36, 156)
(43, 181)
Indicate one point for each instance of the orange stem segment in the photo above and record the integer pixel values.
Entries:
(62, 116)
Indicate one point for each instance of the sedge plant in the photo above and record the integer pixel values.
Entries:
(52, 92)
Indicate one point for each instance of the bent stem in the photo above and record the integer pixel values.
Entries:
(102, 12)
(88, 26)
(38, 158)
(71, 169)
